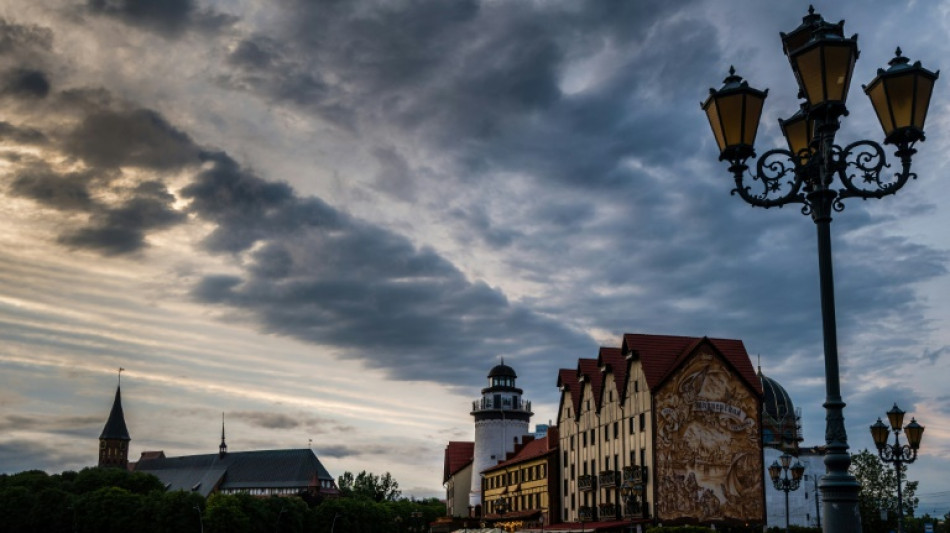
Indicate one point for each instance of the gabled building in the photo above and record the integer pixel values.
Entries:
(457, 477)
(663, 429)
(522, 491)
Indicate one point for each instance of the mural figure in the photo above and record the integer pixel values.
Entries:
(708, 456)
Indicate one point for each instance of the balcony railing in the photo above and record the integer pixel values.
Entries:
(635, 475)
(586, 514)
(607, 478)
(585, 482)
(636, 510)
(505, 404)
(608, 510)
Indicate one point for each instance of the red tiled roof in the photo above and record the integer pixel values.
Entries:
(458, 454)
(588, 369)
(567, 379)
(660, 355)
(532, 450)
(612, 360)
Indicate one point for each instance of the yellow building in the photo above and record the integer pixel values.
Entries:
(522, 491)
(663, 429)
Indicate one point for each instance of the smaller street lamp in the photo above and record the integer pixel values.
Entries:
(897, 453)
(781, 481)
(501, 507)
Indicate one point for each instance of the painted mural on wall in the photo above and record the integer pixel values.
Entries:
(708, 452)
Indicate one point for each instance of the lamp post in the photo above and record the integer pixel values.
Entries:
(501, 508)
(897, 453)
(822, 61)
(781, 481)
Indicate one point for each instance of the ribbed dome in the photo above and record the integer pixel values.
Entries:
(781, 427)
(775, 400)
(502, 370)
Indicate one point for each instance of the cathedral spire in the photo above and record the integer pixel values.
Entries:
(223, 447)
(114, 439)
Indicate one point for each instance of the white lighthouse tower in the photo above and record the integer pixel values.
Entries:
(501, 419)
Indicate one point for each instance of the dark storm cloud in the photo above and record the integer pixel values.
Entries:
(137, 137)
(325, 277)
(21, 135)
(166, 17)
(123, 229)
(17, 38)
(27, 82)
(69, 192)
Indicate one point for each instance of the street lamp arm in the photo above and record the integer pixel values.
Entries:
(779, 183)
(898, 453)
(860, 166)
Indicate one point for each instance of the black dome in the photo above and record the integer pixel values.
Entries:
(775, 399)
(502, 370)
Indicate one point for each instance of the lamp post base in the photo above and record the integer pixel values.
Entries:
(839, 494)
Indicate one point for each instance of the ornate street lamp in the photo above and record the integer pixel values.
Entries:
(783, 482)
(501, 508)
(822, 60)
(896, 453)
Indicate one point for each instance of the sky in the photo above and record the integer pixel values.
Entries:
(328, 220)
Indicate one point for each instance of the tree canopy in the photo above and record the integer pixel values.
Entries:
(879, 491)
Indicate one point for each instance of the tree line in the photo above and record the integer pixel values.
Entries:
(112, 500)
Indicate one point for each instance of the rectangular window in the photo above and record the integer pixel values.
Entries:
(636, 385)
(572, 443)
(584, 440)
(632, 428)
(565, 456)
(606, 433)
(643, 456)
(643, 422)
(616, 429)
(593, 436)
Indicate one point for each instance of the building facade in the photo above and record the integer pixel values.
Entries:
(663, 429)
(522, 491)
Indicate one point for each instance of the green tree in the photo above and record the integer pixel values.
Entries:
(177, 511)
(112, 510)
(370, 486)
(879, 491)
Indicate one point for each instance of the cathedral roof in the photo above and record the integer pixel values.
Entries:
(115, 427)
(237, 470)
